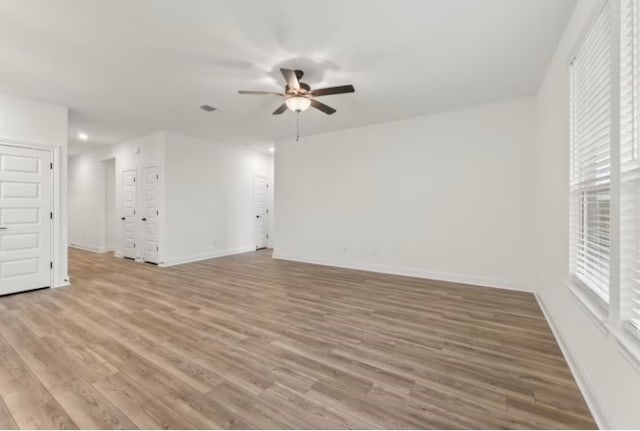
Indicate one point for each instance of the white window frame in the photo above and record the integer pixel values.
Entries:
(597, 306)
(614, 318)
(630, 183)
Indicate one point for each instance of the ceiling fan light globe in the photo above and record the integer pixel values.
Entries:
(298, 103)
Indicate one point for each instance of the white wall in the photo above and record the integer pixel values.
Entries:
(87, 203)
(110, 209)
(27, 122)
(207, 207)
(209, 198)
(88, 189)
(610, 383)
(445, 196)
(24, 120)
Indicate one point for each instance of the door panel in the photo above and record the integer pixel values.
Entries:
(260, 187)
(129, 204)
(23, 241)
(151, 214)
(25, 222)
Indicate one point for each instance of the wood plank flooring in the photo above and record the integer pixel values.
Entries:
(250, 342)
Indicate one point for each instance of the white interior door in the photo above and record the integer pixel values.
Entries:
(129, 204)
(260, 189)
(25, 219)
(151, 214)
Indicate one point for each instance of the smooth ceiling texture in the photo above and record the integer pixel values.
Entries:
(126, 68)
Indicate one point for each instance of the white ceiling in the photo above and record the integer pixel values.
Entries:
(126, 68)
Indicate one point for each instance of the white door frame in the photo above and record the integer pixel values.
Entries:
(52, 231)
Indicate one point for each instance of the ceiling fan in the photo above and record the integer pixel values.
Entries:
(299, 95)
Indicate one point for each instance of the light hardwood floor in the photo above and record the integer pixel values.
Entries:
(249, 342)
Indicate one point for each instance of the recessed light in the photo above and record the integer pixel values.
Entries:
(83, 136)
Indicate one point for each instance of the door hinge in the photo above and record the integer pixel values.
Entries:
(51, 265)
(134, 179)
(157, 213)
(157, 177)
(134, 212)
(134, 245)
(51, 215)
(157, 248)
(51, 165)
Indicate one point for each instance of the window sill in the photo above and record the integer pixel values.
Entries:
(628, 344)
(592, 306)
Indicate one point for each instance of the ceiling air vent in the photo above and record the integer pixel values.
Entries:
(207, 108)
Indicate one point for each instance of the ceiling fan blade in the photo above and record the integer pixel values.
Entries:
(333, 90)
(280, 109)
(291, 78)
(322, 107)
(260, 92)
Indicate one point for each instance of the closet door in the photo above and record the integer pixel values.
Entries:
(25, 219)
(129, 204)
(151, 213)
(260, 189)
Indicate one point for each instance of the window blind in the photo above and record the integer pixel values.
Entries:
(629, 165)
(590, 158)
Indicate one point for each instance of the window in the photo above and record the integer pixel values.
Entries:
(629, 167)
(590, 173)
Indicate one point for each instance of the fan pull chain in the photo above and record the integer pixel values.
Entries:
(298, 126)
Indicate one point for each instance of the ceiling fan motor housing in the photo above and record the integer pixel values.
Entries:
(303, 86)
(299, 96)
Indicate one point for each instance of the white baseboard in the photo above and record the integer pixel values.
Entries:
(63, 284)
(91, 248)
(585, 386)
(475, 280)
(205, 256)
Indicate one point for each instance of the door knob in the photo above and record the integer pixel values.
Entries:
(258, 216)
(3, 228)
(143, 219)
(123, 218)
